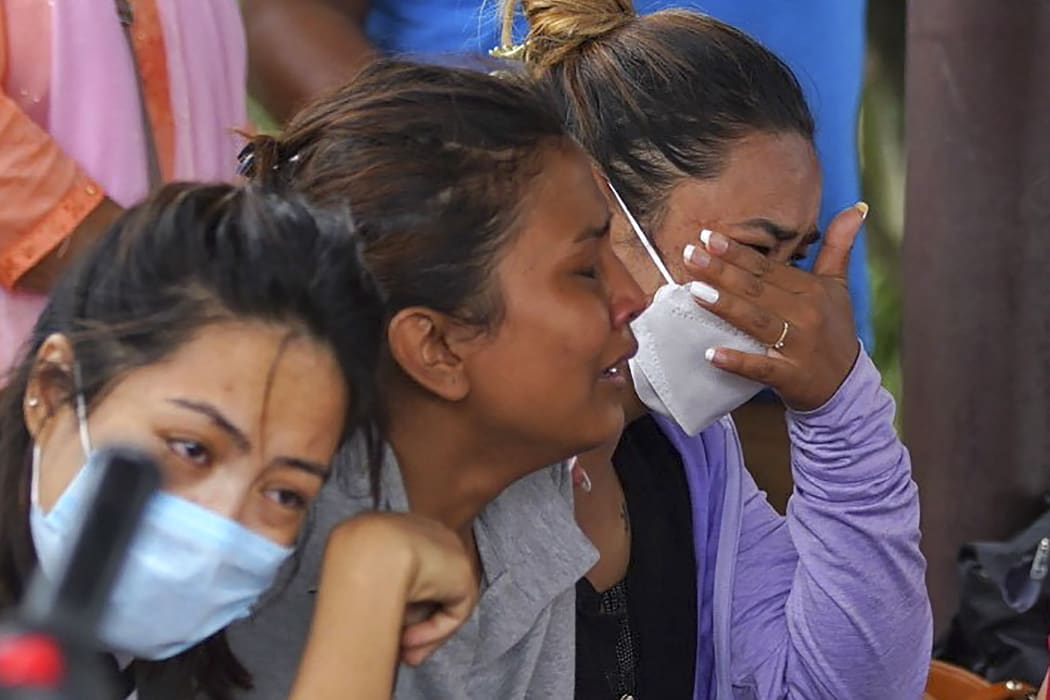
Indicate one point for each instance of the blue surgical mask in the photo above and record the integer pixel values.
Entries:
(188, 574)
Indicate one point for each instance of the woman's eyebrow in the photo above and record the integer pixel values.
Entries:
(216, 416)
(778, 232)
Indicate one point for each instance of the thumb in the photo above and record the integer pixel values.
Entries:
(434, 629)
(833, 258)
(417, 655)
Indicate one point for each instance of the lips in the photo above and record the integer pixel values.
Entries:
(618, 367)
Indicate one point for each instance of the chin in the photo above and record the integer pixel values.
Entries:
(606, 427)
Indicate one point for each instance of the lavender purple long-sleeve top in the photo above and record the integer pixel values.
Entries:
(830, 601)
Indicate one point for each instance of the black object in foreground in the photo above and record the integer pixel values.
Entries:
(49, 650)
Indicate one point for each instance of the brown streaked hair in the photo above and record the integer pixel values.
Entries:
(434, 163)
(656, 98)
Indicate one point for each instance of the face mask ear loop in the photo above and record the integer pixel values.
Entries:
(34, 477)
(85, 439)
(641, 236)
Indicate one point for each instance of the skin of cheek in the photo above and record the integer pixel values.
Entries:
(556, 334)
(635, 257)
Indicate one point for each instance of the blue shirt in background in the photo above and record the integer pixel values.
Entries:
(823, 41)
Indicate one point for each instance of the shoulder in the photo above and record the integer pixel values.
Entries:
(716, 444)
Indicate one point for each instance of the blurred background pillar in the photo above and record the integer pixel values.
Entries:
(976, 265)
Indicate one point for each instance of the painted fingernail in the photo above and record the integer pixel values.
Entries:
(862, 207)
(694, 255)
(703, 292)
(715, 242)
(709, 355)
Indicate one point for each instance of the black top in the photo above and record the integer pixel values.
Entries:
(639, 637)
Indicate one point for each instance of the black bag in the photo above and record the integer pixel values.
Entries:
(1000, 630)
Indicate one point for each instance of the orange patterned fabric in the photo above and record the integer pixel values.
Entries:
(44, 194)
(148, 40)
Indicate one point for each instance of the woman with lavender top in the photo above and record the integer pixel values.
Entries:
(702, 589)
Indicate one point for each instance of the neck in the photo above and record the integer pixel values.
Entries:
(602, 515)
(451, 466)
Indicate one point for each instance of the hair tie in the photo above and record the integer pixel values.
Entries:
(246, 161)
(514, 52)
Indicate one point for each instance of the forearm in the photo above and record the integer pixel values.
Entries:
(847, 614)
(859, 591)
(301, 49)
(43, 276)
(50, 208)
(353, 648)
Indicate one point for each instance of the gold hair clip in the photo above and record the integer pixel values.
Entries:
(515, 52)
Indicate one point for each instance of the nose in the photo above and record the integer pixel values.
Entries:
(626, 299)
(221, 493)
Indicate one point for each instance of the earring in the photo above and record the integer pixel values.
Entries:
(579, 475)
(33, 402)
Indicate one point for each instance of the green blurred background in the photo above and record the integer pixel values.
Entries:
(882, 173)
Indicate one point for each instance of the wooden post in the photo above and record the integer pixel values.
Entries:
(976, 349)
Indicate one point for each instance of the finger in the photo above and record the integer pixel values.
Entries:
(725, 248)
(833, 258)
(724, 276)
(756, 320)
(416, 613)
(432, 631)
(770, 371)
(733, 254)
(417, 655)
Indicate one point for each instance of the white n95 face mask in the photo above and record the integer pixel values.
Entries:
(669, 372)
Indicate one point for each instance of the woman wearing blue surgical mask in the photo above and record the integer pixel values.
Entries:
(233, 337)
(703, 590)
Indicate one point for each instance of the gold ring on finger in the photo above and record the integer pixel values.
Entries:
(779, 345)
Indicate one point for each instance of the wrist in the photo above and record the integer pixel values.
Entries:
(354, 642)
(830, 399)
(368, 552)
(46, 272)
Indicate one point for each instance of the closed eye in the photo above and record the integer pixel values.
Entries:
(803, 249)
(762, 250)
